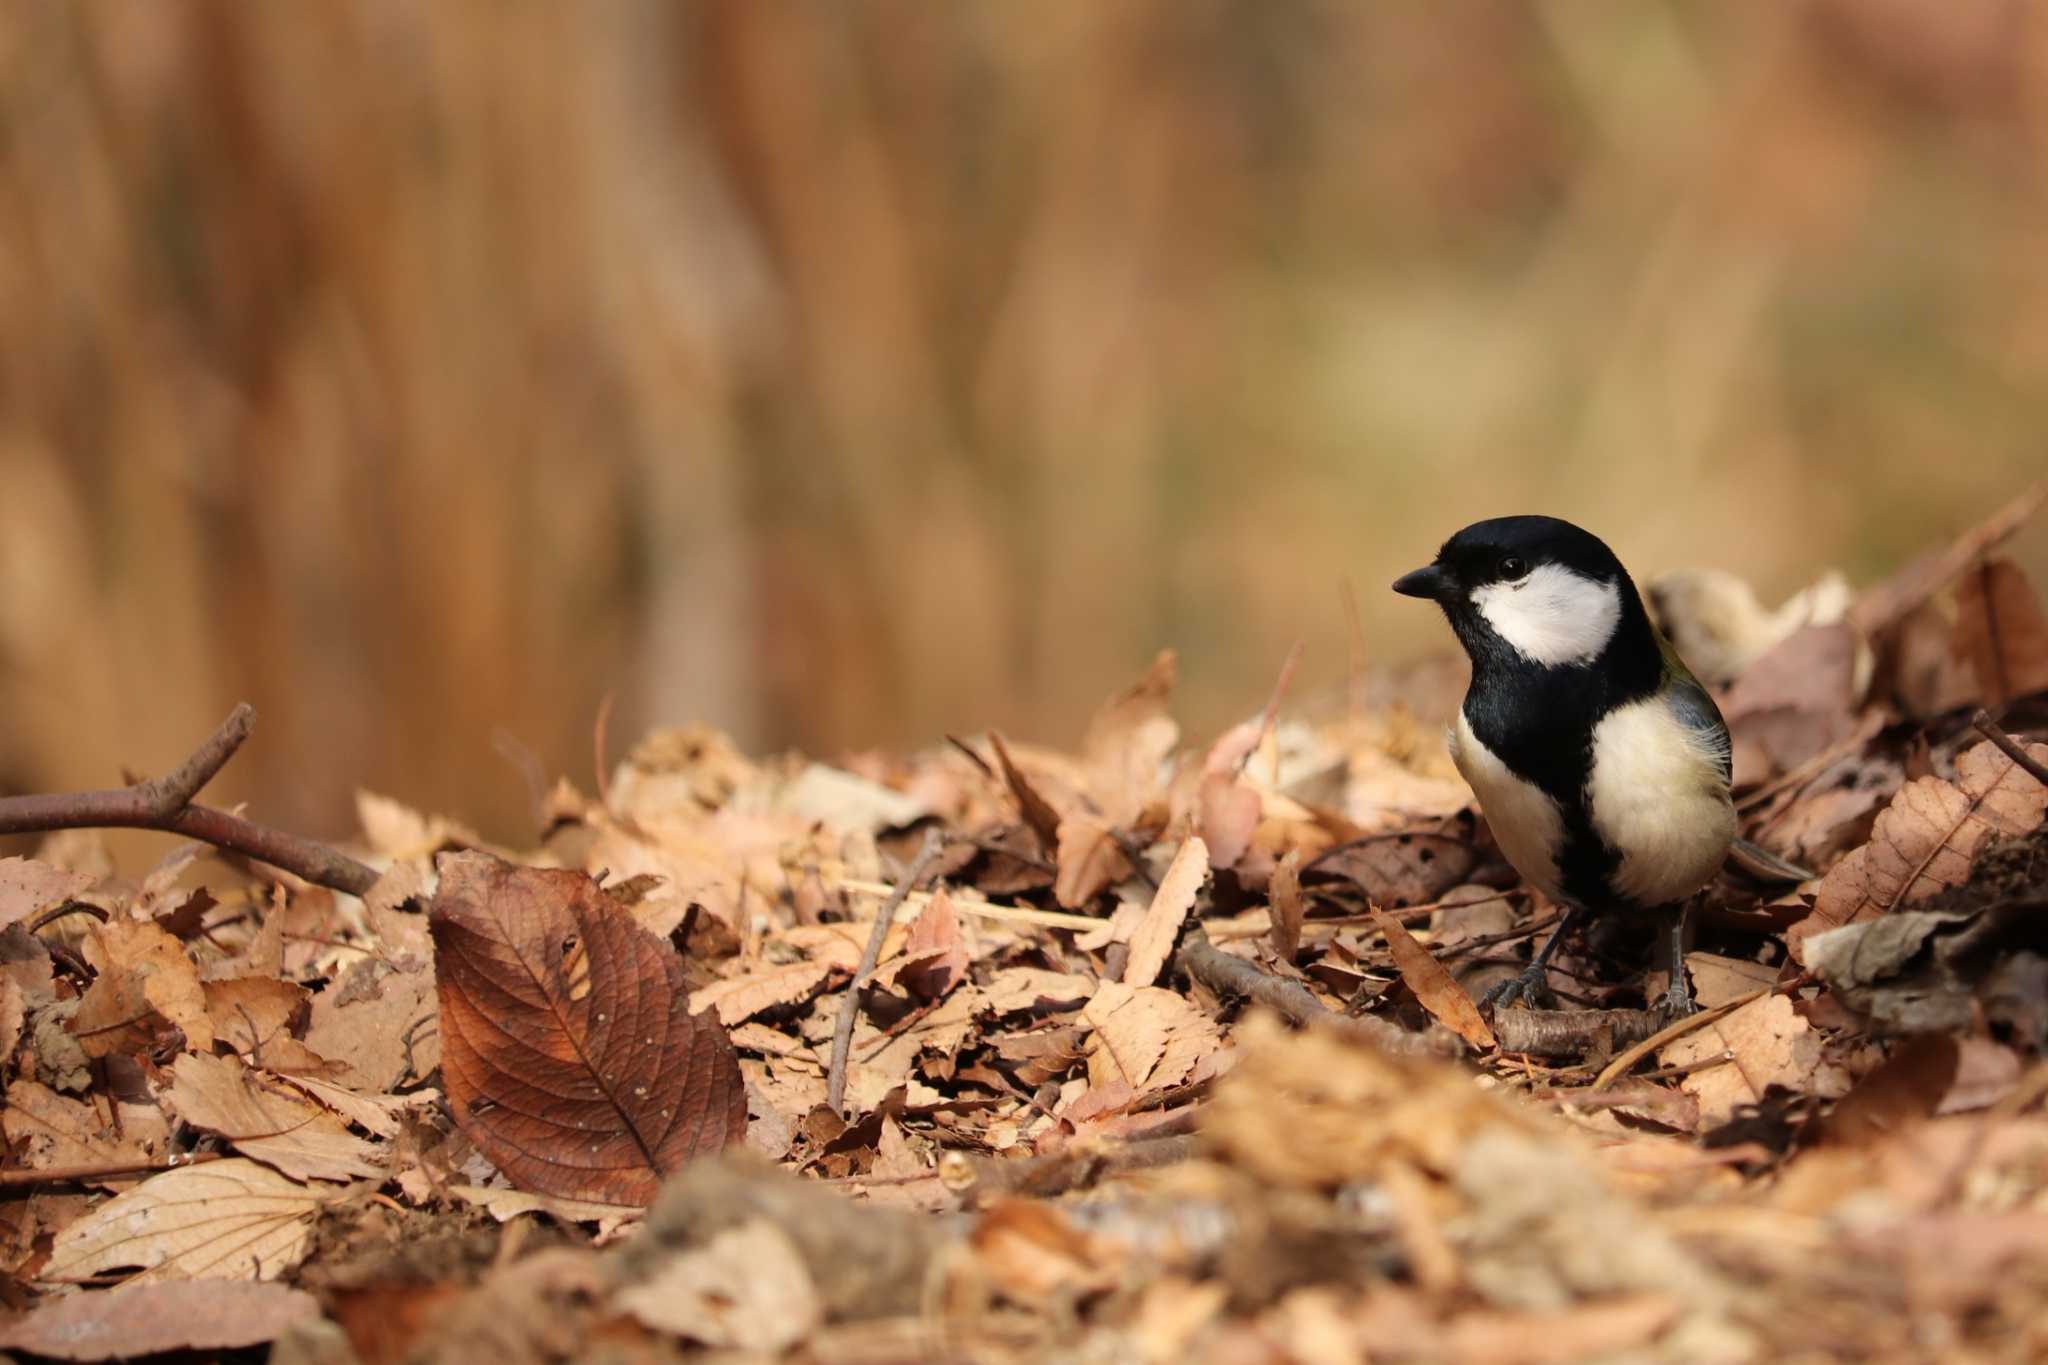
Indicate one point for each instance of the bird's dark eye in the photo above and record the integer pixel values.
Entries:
(1514, 566)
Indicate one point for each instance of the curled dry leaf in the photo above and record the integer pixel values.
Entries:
(1229, 813)
(2001, 631)
(738, 999)
(1772, 1045)
(1088, 862)
(277, 1126)
(28, 886)
(1154, 940)
(146, 1319)
(226, 1220)
(1925, 839)
(146, 986)
(1145, 1038)
(1129, 741)
(590, 1086)
(1037, 811)
(1433, 985)
(1289, 906)
(934, 957)
(44, 1129)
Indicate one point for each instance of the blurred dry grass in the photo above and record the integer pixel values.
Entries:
(846, 373)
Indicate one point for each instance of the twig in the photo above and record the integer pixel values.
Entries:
(1620, 1065)
(1079, 1164)
(1996, 733)
(842, 1036)
(969, 905)
(164, 803)
(1570, 1033)
(57, 912)
(1227, 975)
(99, 1170)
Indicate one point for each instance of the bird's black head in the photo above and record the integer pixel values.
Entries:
(1535, 591)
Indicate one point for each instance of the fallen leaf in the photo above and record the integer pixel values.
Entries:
(276, 1126)
(738, 999)
(1035, 988)
(934, 956)
(2001, 631)
(28, 887)
(1926, 838)
(592, 1095)
(146, 1319)
(1289, 906)
(44, 1130)
(378, 1024)
(1145, 1038)
(1129, 742)
(13, 1014)
(1799, 697)
(146, 985)
(1088, 861)
(1907, 1088)
(235, 1219)
(505, 1205)
(1432, 983)
(1886, 602)
(1153, 942)
(1037, 811)
(747, 1287)
(1772, 1044)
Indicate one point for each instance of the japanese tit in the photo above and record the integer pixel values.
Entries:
(1601, 763)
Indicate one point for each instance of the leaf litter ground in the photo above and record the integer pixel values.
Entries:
(1141, 1052)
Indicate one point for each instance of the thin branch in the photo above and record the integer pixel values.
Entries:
(99, 1170)
(842, 1036)
(1996, 733)
(164, 803)
(1571, 1033)
(1228, 975)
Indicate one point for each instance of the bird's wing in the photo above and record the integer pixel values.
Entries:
(1694, 709)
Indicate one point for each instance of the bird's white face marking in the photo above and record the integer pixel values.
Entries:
(1525, 822)
(1658, 797)
(1552, 615)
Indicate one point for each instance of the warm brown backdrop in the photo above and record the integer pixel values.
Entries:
(842, 374)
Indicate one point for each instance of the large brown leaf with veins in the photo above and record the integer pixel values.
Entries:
(570, 1054)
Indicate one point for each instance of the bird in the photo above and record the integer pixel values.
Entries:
(1601, 763)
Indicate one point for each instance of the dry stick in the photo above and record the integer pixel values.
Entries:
(1570, 1033)
(842, 1036)
(1996, 733)
(164, 803)
(1083, 1163)
(99, 1170)
(1227, 975)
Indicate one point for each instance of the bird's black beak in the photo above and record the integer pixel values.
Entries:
(1430, 582)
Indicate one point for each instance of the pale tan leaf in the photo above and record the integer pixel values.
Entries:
(740, 998)
(1289, 906)
(267, 1121)
(47, 1130)
(1088, 862)
(13, 1014)
(379, 1024)
(373, 1113)
(1035, 988)
(1129, 741)
(148, 1319)
(146, 984)
(28, 886)
(1924, 841)
(231, 1220)
(1772, 1044)
(1229, 813)
(1145, 1038)
(1433, 985)
(2001, 631)
(505, 1205)
(1154, 940)
(747, 1287)
(934, 955)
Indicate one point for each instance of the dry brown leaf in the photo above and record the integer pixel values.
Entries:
(1033, 1249)
(147, 1319)
(1228, 814)
(378, 1114)
(1145, 1038)
(1799, 697)
(934, 955)
(1885, 603)
(1038, 812)
(738, 999)
(589, 1087)
(1772, 1044)
(1289, 906)
(28, 886)
(46, 1130)
(1035, 988)
(1926, 838)
(266, 1121)
(379, 1025)
(2000, 629)
(505, 1205)
(1907, 1088)
(1153, 942)
(13, 1014)
(1129, 741)
(1088, 862)
(146, 985)
(1432, 983)
(235, 1219)
(747, 1287)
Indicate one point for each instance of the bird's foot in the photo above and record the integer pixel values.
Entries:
(1531, 986)
(1677, 1002)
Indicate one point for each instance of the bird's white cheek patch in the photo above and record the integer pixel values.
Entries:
(1659, 799)
(1525, 821)
(1552, 615)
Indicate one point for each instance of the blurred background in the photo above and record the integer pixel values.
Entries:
(843, 374)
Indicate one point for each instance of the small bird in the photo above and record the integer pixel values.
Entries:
(1601, 763)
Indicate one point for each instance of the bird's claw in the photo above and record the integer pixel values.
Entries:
(1531, 986)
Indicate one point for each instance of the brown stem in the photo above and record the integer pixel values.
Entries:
(1571, 1033)
(1228, 975)
(165, 803)
(842, 1036)
(1996, 733)
(98, 1170)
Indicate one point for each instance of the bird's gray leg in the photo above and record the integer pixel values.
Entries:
(1532, 985)
(1678, 1001)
